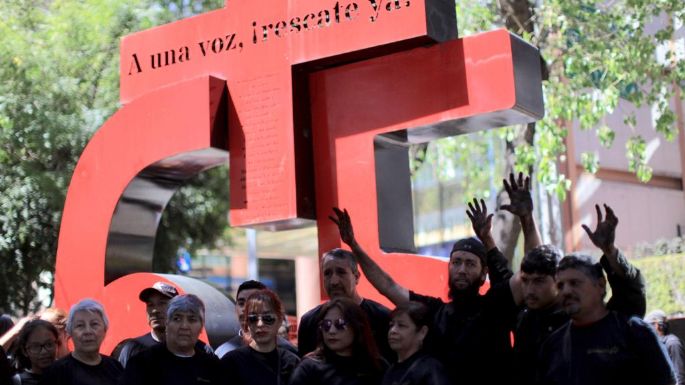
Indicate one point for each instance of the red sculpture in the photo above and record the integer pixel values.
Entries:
(315, 103)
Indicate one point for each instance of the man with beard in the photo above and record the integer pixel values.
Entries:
(340, 278)
(469, 334)
(598, 346)
(543, 312)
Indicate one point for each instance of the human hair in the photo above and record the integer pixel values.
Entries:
(582, 263)
(343, 255)
(6, 323)
(260, 300)
(417, 312)
(56, 316)
(543, 259)
(364, 348)
(87, 305)
(187, 303)
(250, 285)
(23, 338)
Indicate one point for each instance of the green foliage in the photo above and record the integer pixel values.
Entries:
(665, 280)
(598, 54)
(59, 64)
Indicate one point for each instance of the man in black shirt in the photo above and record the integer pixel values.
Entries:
(156, 299)
(177, 361)
(340, 279)
(674, 347)
(598, 346)
(469, 334)
(543, 312)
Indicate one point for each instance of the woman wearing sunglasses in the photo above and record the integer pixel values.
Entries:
(408, 328)
(261, 361)
(38, 342)
(346, 352)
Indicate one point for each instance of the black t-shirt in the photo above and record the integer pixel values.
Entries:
(246, 366)
(237, 341)
(419, 369)
(614, 350)
(532, 330)
(471, 334)
(26, 378)
(158, 366)
(129, 348)
(379, 318)
(335, 370)
(5, 369)
(70, 371)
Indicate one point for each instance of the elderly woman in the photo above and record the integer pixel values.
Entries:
(178, 360)
(408, 328)
(87, 325)
(38, 342)
(261, 361)
(346, 352)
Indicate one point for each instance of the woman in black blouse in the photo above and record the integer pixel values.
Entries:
(408, 328)
(346, 352)
(260, 361)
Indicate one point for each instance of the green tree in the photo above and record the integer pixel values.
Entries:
(59, 80)
(595, 54)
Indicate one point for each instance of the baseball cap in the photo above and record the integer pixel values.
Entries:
(162, 288)
(658, 316)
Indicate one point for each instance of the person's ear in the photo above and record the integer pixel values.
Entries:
(423, 332)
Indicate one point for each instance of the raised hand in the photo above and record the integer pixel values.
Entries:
(480, 220)
(521, 202)
(342, 219)
(605, 233)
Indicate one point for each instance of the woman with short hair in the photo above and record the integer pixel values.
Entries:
(261, 361)
(37, 343)
(87, 326)
(178, 360)
(408, 328)
(346, 353)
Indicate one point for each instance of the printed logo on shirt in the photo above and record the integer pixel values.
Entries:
(604, 351)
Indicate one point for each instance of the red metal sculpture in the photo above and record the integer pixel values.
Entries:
(315, 103)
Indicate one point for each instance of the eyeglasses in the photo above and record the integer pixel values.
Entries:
(36, 349)
(340, 324)
(268, 319)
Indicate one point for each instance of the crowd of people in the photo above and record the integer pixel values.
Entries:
(547, 323)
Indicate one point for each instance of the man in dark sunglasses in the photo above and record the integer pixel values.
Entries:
(245, 290)
(340, 278)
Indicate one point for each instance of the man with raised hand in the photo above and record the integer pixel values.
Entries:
(469, 334)
(598, 346)
(340, 278)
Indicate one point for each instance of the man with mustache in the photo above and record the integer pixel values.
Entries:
(598, 346)
(471, 333)
(543, 312)
(340, 278)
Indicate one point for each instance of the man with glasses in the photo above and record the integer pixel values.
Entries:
(340, 278)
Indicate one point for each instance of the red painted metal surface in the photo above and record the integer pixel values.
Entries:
(239, 79)
(468, 83)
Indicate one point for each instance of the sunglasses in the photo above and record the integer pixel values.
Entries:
(326, 325)
(267, 319)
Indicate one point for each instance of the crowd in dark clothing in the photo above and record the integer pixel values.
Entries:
(564, 332)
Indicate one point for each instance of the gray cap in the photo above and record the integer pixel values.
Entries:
(657, 316)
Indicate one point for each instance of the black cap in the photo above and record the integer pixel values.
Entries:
(162, 288)
(473, 246)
